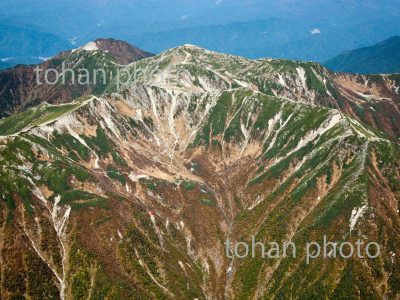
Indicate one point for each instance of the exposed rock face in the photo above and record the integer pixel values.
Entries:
(132, 194)
(372, 99)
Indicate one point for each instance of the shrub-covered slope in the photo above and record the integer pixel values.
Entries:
(132, 194)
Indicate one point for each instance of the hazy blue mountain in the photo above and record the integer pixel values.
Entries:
(8, 62)
(238, 27)
(22, 42)
(278, 38)
(4, 65)
(383, 57)
(124, 17)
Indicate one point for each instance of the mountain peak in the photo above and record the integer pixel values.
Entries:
(187, 47)
(190, 46)
(123, 52)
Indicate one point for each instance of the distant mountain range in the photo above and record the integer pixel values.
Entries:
(383, 57)
(9, 62)
(309, 30)
(4, 65)
(274, 37)
(24, 42)
(28, 46)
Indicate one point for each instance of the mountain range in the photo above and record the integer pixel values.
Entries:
(132, 192)
(382, 58)
(304, 30)
(24, 45)
(372, 99)
(275, 38)
(4, 65)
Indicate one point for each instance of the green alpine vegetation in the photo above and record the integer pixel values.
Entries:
(133, 193)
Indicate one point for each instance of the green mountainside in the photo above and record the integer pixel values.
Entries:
(132, 193)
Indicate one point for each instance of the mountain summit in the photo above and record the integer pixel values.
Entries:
(123, 52)
(19, 85)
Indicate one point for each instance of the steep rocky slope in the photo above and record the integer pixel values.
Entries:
(20, 88)
(372, 99)
(132, 194)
